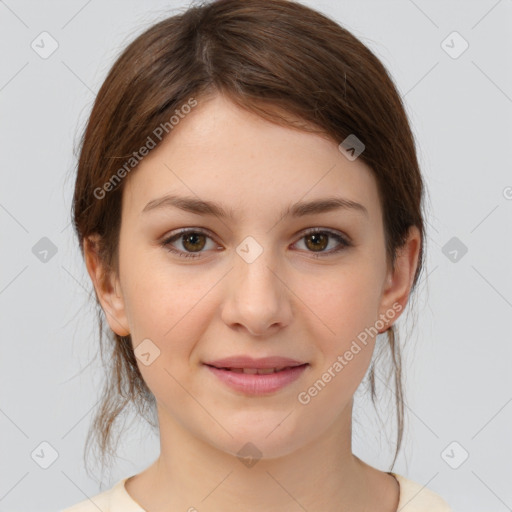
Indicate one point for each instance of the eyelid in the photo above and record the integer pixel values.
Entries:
(332, 231)
(303, 232)
(183, 231)
(343, 239)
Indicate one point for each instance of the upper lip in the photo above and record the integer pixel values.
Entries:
(249, 362)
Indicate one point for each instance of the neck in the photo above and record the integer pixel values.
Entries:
(191, 474)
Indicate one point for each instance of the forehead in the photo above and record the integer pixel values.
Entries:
(222, 153)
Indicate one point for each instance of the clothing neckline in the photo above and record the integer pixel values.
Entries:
(129, 504)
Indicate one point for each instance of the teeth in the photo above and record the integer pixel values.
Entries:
(259, 371)
(263, 371)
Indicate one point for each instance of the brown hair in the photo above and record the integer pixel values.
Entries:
(271, 57)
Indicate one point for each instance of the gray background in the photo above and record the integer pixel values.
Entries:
(459, 351)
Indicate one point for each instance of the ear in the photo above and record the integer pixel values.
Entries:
(398, 284)
(107, 286)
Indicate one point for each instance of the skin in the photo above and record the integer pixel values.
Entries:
(286, 302)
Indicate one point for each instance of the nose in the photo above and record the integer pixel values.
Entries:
(258, 298)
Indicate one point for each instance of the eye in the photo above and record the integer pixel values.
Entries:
(191, 239)
(194, 240)
(317, 238)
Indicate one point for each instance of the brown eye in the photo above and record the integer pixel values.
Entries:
(192, 241)
(319, 241)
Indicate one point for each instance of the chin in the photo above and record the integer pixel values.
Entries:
(265, 442)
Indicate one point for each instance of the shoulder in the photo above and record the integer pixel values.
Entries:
(415, 497)
(115, 499)
(99, 502)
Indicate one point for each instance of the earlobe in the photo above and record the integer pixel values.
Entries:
(107, 287)
(395, 294)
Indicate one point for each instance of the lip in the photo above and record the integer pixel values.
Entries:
(255, 384)
(242, 361)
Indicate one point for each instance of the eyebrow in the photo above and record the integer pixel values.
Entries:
(300, 209)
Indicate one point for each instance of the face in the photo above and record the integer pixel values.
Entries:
(256, 282)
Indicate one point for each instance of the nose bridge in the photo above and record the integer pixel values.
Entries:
(257, 263)
(258, 295)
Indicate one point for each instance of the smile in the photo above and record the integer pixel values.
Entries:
(258, 381)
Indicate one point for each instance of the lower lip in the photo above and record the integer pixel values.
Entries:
(255, 384)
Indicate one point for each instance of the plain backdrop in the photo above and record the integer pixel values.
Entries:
(457, 89)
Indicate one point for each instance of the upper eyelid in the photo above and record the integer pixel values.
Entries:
(302, 233)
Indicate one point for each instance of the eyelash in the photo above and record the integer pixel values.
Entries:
(167, 242)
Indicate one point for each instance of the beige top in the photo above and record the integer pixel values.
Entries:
(413, 498)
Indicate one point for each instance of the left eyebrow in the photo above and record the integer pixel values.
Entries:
(300, 209)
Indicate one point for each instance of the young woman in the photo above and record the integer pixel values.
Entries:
(249, 206)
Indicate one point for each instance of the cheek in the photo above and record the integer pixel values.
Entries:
(159, 293)
(342, 308)
(344, 343)
(345, 300)
(167, 307)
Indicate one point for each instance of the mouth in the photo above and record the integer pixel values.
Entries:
(258, 371)
(257, 381)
